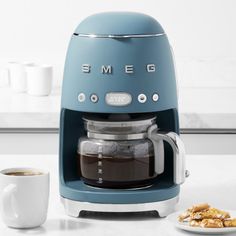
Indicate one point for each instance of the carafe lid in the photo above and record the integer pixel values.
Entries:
(119, 23)
(115, 127)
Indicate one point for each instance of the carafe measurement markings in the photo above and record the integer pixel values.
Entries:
(100, 180)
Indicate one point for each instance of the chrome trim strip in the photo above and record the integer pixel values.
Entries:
(113, 36)
(164, 208)
(117, 136)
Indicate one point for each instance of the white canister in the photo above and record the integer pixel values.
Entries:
(17, 73)
(4, 77)
(39, 79)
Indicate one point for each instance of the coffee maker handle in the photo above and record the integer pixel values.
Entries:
(178, 149)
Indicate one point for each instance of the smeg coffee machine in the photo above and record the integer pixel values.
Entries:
(119, 144)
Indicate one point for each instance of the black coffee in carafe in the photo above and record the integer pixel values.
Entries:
(118, 171)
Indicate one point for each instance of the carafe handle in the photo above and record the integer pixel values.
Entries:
(178, 150)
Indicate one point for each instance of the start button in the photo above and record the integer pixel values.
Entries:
(118, 99)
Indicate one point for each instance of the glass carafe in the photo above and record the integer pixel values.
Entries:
(121, 154)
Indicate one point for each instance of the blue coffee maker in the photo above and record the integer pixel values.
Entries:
(119, 144)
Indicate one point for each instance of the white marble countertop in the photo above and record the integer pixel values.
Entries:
(212, 179)
(200, 108)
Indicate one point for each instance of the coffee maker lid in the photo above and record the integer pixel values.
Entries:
(119, 24)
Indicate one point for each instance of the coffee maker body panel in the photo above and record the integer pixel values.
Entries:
(118, 72)
(73, 188)
(117, 63)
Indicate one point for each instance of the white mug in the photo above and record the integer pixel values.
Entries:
(17, 73)
(24, 198)
(39, 79)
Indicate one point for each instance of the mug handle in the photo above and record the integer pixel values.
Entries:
(7, 206)
(178, 150)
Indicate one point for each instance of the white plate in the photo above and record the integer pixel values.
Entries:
(173, 219)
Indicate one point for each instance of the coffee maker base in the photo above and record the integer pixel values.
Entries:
(164, 208)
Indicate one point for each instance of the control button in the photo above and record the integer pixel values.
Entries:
(155, 97)
(142, 98)
(94, 98)
(118, 99)
(81, 97)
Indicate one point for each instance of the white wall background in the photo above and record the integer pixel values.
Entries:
(202, 33)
